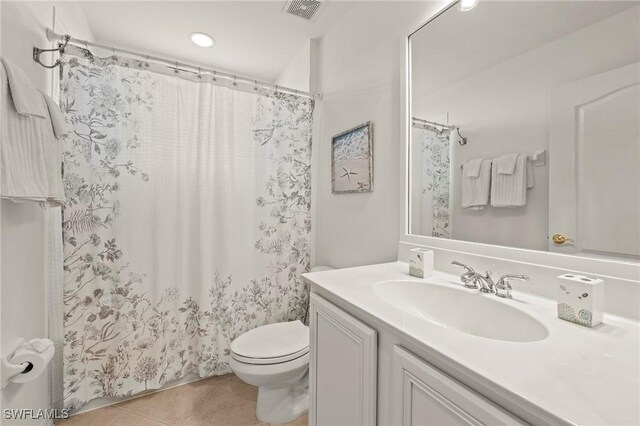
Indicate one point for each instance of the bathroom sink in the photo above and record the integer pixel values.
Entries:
(466, 311)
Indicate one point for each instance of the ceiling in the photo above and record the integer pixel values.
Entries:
(457, 45)
(253, 38)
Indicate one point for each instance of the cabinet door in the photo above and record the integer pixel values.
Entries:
(342, 373)
(427, 396)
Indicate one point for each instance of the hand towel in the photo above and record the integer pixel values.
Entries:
(30, 164)
(472, 168)
(510, 190)
(475, 190)
(57, 120)
(506, 164)
(27, 100)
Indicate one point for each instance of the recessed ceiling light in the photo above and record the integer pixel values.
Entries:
(466, 5)
(202, 39)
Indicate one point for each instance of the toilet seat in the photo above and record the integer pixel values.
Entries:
(272, 344)
(269, 361)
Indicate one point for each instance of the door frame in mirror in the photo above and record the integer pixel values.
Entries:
(621, 269)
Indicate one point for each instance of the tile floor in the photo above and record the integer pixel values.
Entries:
(222, 400)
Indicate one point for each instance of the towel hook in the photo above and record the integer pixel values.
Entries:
(462, 141)
(37, 52)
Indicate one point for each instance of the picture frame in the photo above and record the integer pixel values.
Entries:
(352, 160)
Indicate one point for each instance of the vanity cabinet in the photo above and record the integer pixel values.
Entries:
(342, 367)
(426, 396)
(363, 374)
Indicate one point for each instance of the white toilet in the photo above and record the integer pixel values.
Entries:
(275, 357)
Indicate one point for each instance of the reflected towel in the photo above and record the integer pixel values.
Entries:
(506, 164)
(510, 190)
(472, 168)
(27, 100)
(30, 164)
(475, 190)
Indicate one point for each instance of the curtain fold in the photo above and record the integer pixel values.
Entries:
(187, 223)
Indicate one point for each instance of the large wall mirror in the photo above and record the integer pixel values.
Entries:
(525, 127)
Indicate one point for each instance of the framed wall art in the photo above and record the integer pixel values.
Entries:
(352, 160)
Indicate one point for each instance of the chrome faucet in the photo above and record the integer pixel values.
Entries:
(472, 279)
(475, 280)
(486, 282)
(468, 278)
(503, 284)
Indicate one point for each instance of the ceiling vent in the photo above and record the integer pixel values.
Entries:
(305, 9)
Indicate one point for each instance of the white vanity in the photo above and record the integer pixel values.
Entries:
(390, 349)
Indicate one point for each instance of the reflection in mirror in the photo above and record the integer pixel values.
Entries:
(526, 127)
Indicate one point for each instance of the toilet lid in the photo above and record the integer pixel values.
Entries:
(272, 341)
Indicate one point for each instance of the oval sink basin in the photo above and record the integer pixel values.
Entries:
(462, 310)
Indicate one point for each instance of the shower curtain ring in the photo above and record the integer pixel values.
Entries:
(147, 58)
(113, 49)
(86, 45)
(176, 70)
(199, 75)
(255, 85)
(214, 75)
(276, 88)
(234, 80)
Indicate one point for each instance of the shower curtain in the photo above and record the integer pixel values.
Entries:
(436, 180)
(187, 223)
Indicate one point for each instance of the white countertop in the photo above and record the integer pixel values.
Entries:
(586, 376)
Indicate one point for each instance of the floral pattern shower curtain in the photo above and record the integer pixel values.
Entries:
(187, 224)
(436, 179)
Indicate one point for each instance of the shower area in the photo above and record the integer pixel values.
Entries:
(187, 219)
(431, 152)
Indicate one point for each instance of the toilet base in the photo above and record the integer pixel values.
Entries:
(285, 403)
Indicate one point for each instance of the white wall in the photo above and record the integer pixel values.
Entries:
(297, 73)
(506, 109)
(359, 76)
(23, 266)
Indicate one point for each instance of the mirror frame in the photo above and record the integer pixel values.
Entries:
(620, 269)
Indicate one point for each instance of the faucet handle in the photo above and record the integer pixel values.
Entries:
(503, 284)
(508, 277)
(467, 267)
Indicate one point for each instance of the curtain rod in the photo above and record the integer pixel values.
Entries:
(462, 141)
(64, 38)
(433, 123)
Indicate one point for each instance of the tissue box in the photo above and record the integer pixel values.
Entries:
(421, 262)
(580, 299)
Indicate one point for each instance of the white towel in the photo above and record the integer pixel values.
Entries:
(475, 190)
(505, 164)
(27, 100)
(57, 120)
(510, 189)
(472, 168)
(30, 164)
